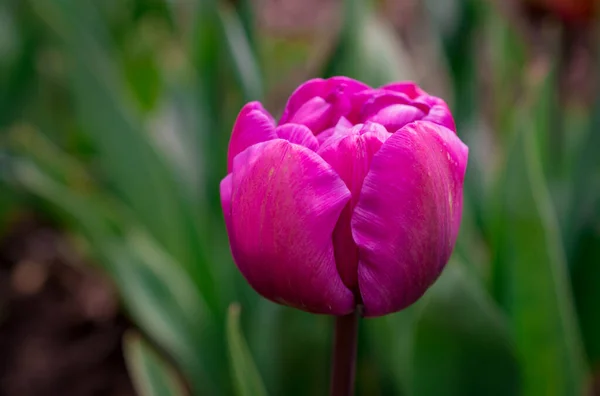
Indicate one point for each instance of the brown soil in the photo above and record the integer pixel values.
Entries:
(60, 325)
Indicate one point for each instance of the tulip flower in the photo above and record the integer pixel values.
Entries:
(353, 198)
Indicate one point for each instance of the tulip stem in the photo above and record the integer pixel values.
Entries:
(344, 355)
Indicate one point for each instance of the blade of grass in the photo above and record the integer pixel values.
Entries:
(151, 374)
(155, 291)
(531, 277)
(462, 343)
(368, 48)
(140, 176)
(244, 372)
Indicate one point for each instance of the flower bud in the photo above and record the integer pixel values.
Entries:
(353, 198)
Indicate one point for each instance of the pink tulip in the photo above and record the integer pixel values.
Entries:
(353, 198)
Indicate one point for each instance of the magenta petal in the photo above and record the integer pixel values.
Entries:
(341, 128)
(285, 204)
(440, 113)
(407, 218)
(225, 191)
(350, 156)
(318, 87)
(396, 116)
(253, 125)
(408, 88)
(299, 134)
(315, 114)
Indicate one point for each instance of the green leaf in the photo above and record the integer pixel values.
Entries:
(19, 49)
(245, 374)
(285, 341)
(246, 11)
(457, 33)
(583, 234)
(531, 279)
(368, 48)
(162, 300)
(151, 374)
(391, 339)
(156, 292)
(241, 54)
(462, 343)
(140, 176)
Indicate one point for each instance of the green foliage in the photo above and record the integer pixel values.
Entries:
(244, 372)
(462, 343)
(532, 278)
(151, 374)
(367, 48)
(115, 118)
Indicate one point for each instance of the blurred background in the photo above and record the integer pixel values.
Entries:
(115, 271)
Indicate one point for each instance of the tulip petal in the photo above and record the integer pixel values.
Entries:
(285, 204)
(315, 114)
(350, 156)
(396, 116)
(439, 111)
(253, 125)
(377, 100)
(329, 90)
(408, 215)
(225, 191)
(340, 129)
(299, 134)
(408, 88)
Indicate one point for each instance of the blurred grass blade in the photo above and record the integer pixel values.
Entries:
(245, 374)
(531, 278)
(392, 340)
(239, 48)
(155, 291)
(18, 46)
(462, 343)
(220, 30)
(25, 140)
(368, 48)
(151, 374)
(245, 10)
(583, 235)
(456, 23)
(140, 176)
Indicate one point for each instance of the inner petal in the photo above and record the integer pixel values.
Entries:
(315, 114)
(332, 134)
(298, 134)
(396, 116)
(350, 156)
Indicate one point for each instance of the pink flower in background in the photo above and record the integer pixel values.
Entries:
(353, 198)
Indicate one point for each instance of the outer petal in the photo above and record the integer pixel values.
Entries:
(407, 218)
(350, 156)
(253, 125)
(225, 190)
(299, 134)
(286, 201)
(330, 90)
